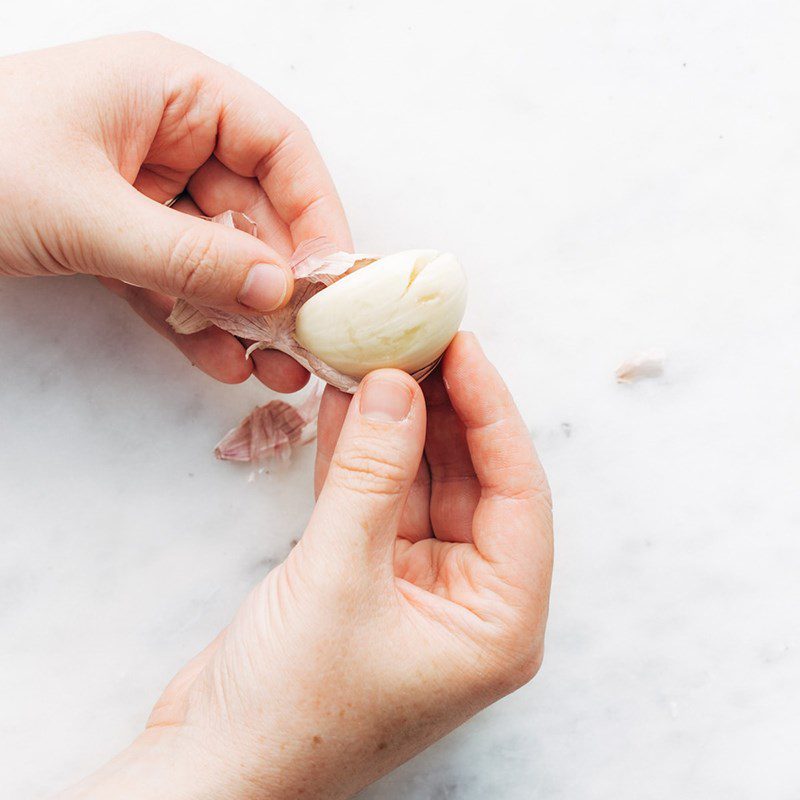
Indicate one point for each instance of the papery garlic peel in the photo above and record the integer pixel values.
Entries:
(270, 432)
(647, 364)
(400, 311)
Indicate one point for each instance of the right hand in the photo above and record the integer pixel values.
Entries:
(417, 596)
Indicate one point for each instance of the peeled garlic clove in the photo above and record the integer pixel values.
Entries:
(400, 311)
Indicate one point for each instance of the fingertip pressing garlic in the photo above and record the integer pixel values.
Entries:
(400, 311)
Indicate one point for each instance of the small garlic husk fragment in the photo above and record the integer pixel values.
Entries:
(270, 433)
(648, 364)
(400, 311)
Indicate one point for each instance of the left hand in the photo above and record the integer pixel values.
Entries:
(95, 137)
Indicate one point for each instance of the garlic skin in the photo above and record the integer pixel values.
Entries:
(647, 364)
(400, 311)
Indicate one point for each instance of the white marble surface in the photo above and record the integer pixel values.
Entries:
(616, 176)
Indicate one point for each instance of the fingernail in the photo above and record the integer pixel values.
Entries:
(264, 287)
(385, 400)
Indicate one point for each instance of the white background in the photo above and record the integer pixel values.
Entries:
(615, 176)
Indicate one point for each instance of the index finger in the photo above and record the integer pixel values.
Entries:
(258, 137)
(513, 518)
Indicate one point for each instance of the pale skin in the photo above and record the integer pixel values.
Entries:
(418, 593)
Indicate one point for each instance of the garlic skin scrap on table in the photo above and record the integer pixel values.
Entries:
(400, 311)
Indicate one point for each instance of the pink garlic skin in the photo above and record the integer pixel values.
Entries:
(271, 432)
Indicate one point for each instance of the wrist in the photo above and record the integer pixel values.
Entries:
(161, 764)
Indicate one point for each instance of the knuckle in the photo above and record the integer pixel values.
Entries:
(192, 264)
(149, 39)
(294, 142)
(528, 666)
(293, 125)
(361, 469)
(290, 148)
(531, 487)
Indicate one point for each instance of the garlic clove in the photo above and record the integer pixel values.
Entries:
(400, 311)
(417, 278)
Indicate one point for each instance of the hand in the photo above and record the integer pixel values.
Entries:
(417, 596)
(96, 137)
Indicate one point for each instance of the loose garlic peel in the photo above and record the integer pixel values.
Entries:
(400, 311)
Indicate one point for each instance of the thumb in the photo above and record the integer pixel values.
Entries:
(372, 469)
(141, 242)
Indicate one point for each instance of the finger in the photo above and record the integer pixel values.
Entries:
(132, 238)
(258, 137)
(513, 519)
(212, 350)
(455, 490)
(415, 520)
(372, 469)
(186, 205)
(332, 413)
(298, 185)
(215, 189)
(279, 371)
(161, 183)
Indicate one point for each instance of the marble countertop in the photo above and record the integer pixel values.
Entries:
(616, 176)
